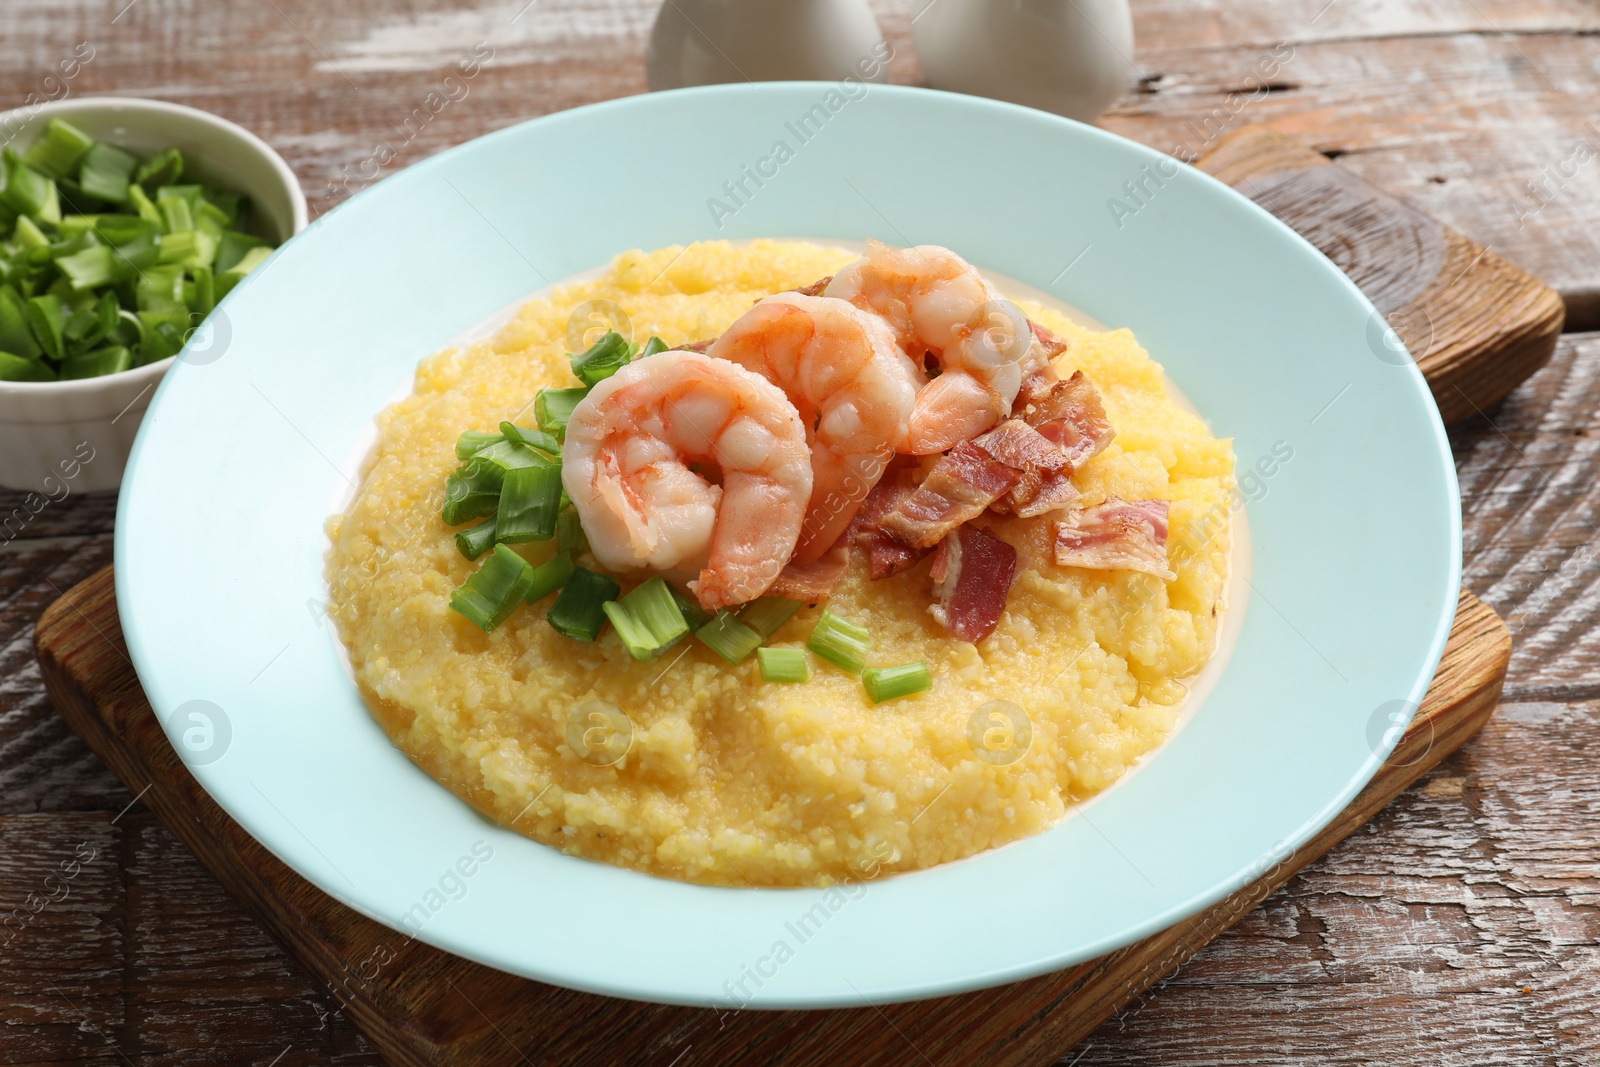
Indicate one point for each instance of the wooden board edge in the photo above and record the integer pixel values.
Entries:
(1465, 377)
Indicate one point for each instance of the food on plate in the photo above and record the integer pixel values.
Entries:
(734, 591)
(112, 260)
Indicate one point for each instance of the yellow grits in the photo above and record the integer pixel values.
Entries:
(726, 779)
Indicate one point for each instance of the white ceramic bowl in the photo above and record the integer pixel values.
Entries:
(78, 433)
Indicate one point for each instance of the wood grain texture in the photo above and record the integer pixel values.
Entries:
(1467, 109)
(418, 1005)
(1410, 943)
(1475, 324)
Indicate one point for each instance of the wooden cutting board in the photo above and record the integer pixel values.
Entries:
(1477, 326)
(419, 1005)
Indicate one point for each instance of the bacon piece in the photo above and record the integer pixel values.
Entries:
(1039, 493)
(697, 346)
(815, 288)
(961, 485)
(1053, 345)
(1037, 385)
(1016, 444)
(886, 554)
(811, 582)
(1073, 417)
(972, 574)
(1118, 535)
(1045, 481)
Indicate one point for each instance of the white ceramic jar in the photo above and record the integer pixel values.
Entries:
(1072, 57)
(701, 42)
(78, 433)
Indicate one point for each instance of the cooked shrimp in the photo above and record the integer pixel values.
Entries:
(853, 386)
(629, 460)
(940, 306)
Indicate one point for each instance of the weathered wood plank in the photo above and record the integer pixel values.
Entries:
(1430, 100)
(1489, 134)
(1460, 926)
(1529, 473)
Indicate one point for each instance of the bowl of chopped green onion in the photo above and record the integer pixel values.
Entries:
(123, 224)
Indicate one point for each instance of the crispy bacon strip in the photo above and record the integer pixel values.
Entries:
(886, 554)
(1118, 535)
(1037, 385)
(1053, 345)
(1050, 491)
(964, 482)
(1016, 444)
(811, 582)
(1045, 481)
(1073, 417)
(972, 575)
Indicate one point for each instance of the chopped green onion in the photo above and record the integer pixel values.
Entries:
(886, 683)
(783, 664)
(205, 291)
(765, 614)
(45, 320)
(549, 576)
(15, 336)
(474, 541)
(160, 289)
(232, 248)
(839, 641)
(693, 613)
(57, 152)
(175, 216)
(18, 369)
(136, 255)
(145, 206)
(89, 269)
(529, 500)
(163, 168)
(651, 347)
(471, 492)
(250, 261)
(602, 359)
(647, 619)
(495, 589)
(471, 442)
(636, 637)
(579, 611)
(105, 171)
(728, 637)
(93, 364)
(509, 455)
(28, 234)
(114, 229)
(553, 408)
(28, 192)
(569, 532)
(179, 247)
(533, 438)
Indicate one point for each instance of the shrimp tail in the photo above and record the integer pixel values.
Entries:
(952, 408)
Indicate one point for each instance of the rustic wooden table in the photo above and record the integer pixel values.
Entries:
(1461, 927)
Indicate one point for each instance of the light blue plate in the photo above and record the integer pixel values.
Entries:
(1356, 560)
